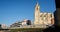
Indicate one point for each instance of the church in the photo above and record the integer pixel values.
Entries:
(42, 18)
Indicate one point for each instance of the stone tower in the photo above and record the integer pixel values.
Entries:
(37, 13)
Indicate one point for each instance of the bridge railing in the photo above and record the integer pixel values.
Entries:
(31, 26)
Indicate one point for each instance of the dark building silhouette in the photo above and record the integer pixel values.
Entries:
(28, 22)
(57, 3)
(55, 18)
(0, 26)
(57, 12)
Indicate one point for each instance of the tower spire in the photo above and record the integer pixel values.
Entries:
(37, 7)
(36, 2)
(37, 13)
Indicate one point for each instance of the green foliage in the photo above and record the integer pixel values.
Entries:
(27, 29)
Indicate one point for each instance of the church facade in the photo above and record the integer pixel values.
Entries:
(42, 18)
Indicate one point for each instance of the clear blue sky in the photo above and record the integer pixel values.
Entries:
(14, 10)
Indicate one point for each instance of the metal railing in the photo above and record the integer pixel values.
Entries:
(30, 26)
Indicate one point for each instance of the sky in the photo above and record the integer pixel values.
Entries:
(18, 10)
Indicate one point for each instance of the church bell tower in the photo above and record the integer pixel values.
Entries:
(37, 13)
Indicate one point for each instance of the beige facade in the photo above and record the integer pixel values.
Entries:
(42, 18)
